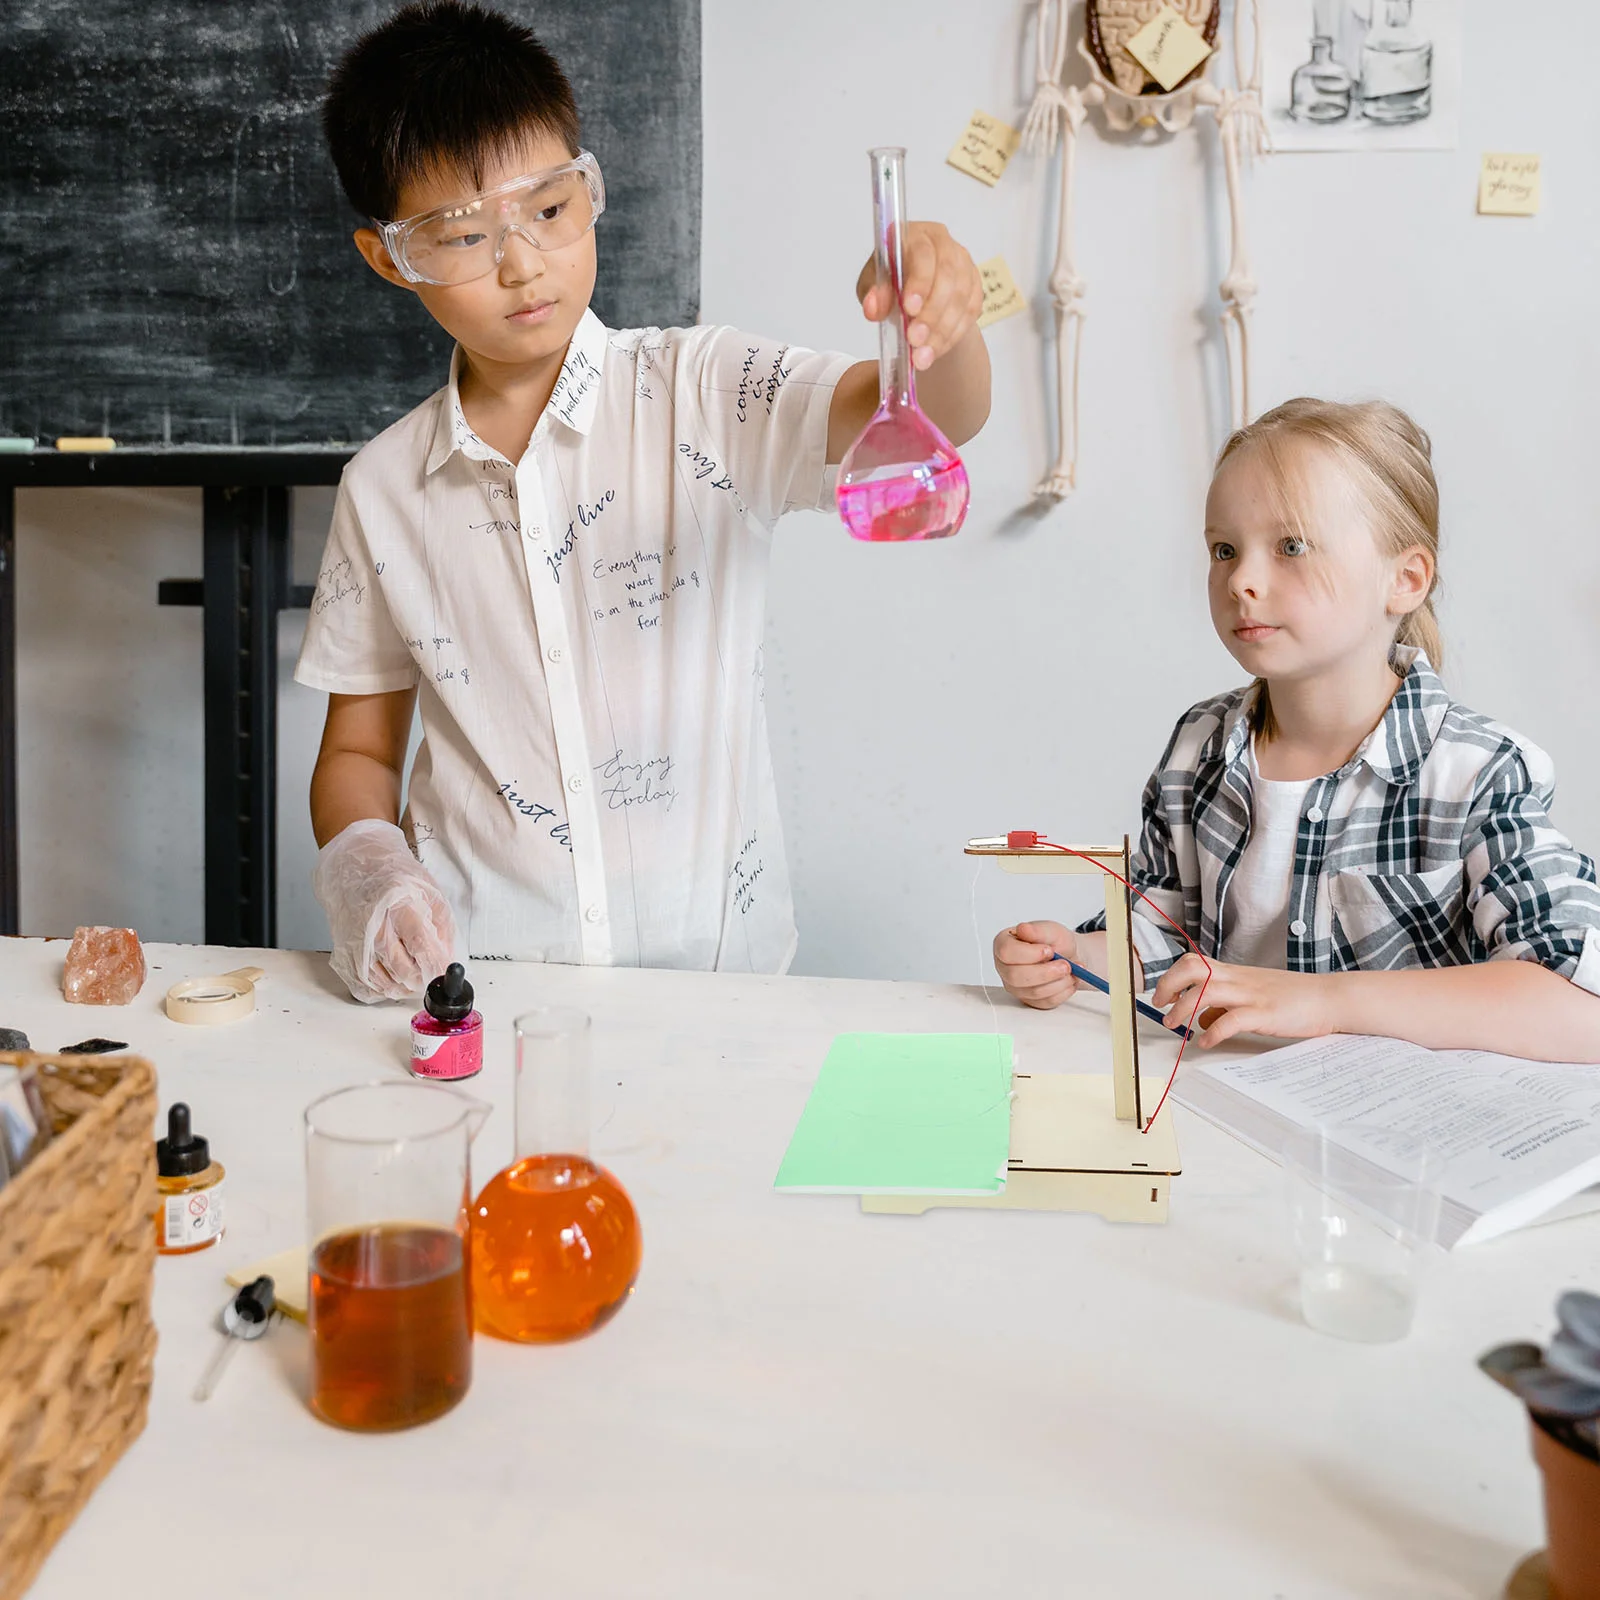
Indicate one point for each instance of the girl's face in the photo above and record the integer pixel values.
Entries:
(1292, 602)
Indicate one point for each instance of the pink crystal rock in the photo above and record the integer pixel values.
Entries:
(105, 967)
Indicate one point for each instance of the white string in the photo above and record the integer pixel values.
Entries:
(977, 945)
(983, 973)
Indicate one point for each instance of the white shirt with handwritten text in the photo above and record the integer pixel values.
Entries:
(584, 628)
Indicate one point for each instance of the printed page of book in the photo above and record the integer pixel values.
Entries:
(1518, 1137)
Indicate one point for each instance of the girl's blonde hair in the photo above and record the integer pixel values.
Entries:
(1390, 462)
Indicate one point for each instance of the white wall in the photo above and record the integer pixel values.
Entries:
(1024, 674)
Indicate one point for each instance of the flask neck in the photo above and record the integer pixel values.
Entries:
(896, 385)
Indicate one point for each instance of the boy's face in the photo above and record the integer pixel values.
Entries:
(524, 311)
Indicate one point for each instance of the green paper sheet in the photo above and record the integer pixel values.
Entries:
(905, 1113)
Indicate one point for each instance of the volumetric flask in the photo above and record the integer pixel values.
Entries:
(388, 1186)
(555, 1238)
(902, 479)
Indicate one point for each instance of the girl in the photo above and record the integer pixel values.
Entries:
(1353, 850)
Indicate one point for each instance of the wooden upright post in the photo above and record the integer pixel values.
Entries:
(1124, 1082)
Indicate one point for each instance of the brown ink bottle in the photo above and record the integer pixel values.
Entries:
(190, 1215)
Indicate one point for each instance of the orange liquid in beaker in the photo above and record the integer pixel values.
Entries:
(391, 1326)
(555, 1249)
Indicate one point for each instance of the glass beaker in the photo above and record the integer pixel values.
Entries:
(1364, 1228)
(901, 479)
(555, 1238)
(388, 1187)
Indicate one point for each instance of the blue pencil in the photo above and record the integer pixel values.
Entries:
(1095, 981)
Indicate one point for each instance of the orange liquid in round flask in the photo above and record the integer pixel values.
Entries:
(555, 1239)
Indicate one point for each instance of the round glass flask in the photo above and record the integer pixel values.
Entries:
(555, 1238)
(902, 479)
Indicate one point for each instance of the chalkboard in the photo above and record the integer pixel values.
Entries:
(175, 256)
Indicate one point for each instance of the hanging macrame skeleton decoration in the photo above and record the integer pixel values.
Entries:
(1130, 98)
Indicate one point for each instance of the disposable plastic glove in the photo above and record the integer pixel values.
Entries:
(392, 928)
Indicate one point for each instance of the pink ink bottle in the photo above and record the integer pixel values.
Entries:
(447, 1034)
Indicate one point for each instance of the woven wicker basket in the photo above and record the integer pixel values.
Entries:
(77, 1260)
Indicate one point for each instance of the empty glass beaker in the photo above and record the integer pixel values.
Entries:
(388, 1187)
(555, 1238)
(1365, 1218)
(901, 479)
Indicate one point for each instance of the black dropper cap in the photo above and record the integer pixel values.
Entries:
(181, 1153)
(449, 996)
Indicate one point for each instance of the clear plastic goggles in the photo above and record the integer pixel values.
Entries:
(467, 239)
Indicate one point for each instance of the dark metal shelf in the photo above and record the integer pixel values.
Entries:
(244, 587)
(154, 467)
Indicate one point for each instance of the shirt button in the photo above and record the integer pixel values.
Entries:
(556, 653)
(1297, 927)
(575, 783)
(594, 914)
(1314, 814)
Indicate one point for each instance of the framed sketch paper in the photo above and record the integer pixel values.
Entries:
(1362, 74)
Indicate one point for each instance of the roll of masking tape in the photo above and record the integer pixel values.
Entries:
(211, 1000)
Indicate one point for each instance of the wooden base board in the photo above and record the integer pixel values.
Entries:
(1069, 1153)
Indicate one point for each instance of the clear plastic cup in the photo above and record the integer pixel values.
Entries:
(1364, 1224)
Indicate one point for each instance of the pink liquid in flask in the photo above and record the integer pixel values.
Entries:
(902, 479)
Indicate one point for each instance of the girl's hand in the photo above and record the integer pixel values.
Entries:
(1024, 956)
(940, 289)
(1286, 1005)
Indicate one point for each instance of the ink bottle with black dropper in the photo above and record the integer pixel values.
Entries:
(447, 1034)
(190, 1183)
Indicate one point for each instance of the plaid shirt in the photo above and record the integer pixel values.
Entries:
(1430, 847)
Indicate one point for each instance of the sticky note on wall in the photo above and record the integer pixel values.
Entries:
(1508, 185)
(985, 146)
(1168, 48)
(1001, 296)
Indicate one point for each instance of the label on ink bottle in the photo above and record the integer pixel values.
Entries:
(447, 1055)
(191, 1219)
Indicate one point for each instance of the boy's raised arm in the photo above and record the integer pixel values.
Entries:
(943, 296)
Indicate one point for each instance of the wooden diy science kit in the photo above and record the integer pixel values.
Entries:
(1079, 1141)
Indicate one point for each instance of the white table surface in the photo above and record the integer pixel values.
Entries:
(800, 1399)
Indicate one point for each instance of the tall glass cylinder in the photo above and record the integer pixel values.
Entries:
(896, 384)
(555, 1239)
(553, 1050)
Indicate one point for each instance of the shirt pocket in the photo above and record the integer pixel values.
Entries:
(1390, 920)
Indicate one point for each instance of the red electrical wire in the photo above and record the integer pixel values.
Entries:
(1040, 842)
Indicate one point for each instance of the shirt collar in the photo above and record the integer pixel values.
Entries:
(1395, 749)
(572, 401)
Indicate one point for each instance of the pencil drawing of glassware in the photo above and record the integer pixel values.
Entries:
(1396, 67)
(1321, 90)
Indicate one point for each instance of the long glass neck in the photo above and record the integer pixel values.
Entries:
(896, 386)
(552, 1083)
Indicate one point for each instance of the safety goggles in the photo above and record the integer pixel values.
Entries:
(467, 239)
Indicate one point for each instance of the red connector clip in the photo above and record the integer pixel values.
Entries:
(1022, 839)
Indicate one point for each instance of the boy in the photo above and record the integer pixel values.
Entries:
(565, 550)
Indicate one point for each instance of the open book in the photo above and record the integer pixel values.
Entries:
(1520, 1139)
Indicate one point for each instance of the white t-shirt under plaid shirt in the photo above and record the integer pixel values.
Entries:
(1431, 847)
(585, 627)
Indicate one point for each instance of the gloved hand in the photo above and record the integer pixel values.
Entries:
(392, 928)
